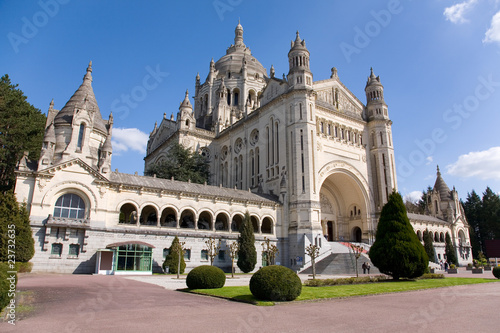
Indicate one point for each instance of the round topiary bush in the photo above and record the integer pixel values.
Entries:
(275, 283)
(496, 272)
(206, 277)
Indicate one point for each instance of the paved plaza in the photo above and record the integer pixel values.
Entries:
(90, 303)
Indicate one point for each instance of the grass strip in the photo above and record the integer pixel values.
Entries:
(243, 294)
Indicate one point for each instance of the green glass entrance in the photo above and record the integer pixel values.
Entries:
(133, 258)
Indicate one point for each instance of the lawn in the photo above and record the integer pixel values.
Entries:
(243, 294)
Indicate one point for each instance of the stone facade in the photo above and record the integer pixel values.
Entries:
(307, 159)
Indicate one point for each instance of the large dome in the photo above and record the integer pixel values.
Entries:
(233, 60)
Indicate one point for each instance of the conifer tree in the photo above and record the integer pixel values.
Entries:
(247, 254)
(397, 251)
(15, 217)
(451, 255)
(172, 259)
(429, 245)
(21, 129)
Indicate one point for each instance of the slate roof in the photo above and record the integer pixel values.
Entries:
(185, 187)
(83, 96)
(425, 218)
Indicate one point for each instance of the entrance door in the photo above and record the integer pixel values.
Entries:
(357, 235)
(330, 231)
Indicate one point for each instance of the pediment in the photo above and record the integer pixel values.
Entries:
(76, 166)
(273, 89)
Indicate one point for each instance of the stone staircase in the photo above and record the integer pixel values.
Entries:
(341, 262)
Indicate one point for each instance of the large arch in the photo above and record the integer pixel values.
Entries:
(345, 203)
(236, 222)
(221, 222)
(187, 219)
(267, 225)
(205, 220)
(149, 216)
(128, 213)
(168, 217)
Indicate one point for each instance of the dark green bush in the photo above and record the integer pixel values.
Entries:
(496, 272)
(397, 250)
(5, 292)
(206, 277)
(275, 283)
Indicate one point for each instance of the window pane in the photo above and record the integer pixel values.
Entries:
(57, 212)
(65, 212)
(72, 213)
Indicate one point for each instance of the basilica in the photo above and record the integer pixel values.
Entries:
(308, 160)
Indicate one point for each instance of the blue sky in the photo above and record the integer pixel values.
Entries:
(438, 61)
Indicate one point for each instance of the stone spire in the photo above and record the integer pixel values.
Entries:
(441, 187)
(83, 97)
(185, 103)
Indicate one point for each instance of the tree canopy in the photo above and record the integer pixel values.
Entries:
(397, 250)
(483, 216)
(21, 129)
(182, 164)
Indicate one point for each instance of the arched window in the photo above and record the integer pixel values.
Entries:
(70, 206)
(80, 137)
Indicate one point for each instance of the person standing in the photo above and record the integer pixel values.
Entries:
(364, 267)
(368, 267)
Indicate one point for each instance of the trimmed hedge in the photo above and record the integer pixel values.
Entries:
(496, 272)
(275, 283)
(343, 281)
(206, 277)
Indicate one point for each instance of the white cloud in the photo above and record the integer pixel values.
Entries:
(479, 164)
(413, 196)
(493, 33)
(456, 13)
(124, 139)
(429, 160)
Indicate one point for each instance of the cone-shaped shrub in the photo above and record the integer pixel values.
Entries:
(172, 259)
(206, 277)
(275, 283)
(397, 251)
(247, 255)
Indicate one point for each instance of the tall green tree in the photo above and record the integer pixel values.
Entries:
(247, 254)
(483, 216)
(490, 211)
(451, 254)
(472, 209)
(397, 251)
(14, 216)
(429, 245)
(172, 258)
(21, 129)
(182, 164)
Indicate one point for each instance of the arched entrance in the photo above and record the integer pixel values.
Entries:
(342, 192)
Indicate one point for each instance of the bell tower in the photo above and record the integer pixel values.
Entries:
(299, 75)
(383, 170)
